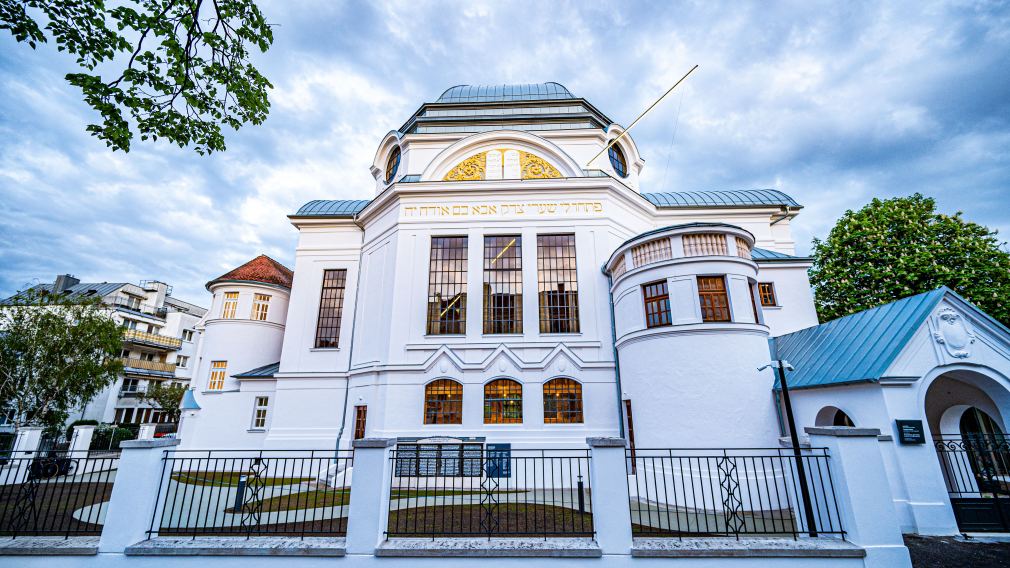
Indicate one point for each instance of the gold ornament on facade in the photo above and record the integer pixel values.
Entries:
(535, 167)
(474, 168)
(469, 169)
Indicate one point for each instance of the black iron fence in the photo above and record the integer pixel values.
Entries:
(459, 490)
(974, 466)
(254, 493)
(976, 469)
(55, 493)
(723, 492)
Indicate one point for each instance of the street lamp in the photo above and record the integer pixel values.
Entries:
(794, 437)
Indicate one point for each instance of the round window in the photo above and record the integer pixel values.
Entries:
(617, 161)
(393, 164)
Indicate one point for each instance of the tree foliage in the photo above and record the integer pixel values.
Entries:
(898, 247)
(56, 354)
(166, 397)
(180, 69)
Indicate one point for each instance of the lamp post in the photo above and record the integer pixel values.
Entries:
(801, 472)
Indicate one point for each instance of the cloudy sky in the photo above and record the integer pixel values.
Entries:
(832, 103)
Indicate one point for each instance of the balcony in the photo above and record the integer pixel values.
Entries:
(136, 392)
(138, 308)
(152, 339)
(141, 367)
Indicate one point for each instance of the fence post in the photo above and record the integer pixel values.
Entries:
(368, 514)
(80, 440)
(863, 493)
(611, 504)
(146, 431)
(135, 493)
(26, 444)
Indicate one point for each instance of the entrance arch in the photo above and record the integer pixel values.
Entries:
(965, 411)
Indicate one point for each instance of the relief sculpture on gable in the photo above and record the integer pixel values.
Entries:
(476, 167)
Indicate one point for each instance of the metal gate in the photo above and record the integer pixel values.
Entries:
(977, 471)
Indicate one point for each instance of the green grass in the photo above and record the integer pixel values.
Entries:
(319, 498)
(230, 478)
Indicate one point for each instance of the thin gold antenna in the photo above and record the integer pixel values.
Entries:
(652, 106)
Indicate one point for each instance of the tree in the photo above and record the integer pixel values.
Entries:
(898, 247)
(181, 68)
(167, 398)
(57, 353)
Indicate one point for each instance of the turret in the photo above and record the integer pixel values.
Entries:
(684, 305)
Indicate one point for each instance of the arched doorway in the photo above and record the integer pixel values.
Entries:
(972, 448)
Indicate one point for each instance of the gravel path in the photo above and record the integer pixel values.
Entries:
(951, 552)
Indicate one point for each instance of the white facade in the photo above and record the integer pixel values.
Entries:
(725, 262)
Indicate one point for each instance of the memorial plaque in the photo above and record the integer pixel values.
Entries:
(498, 460)
(512, 169)
(493, 167)
(910, 432)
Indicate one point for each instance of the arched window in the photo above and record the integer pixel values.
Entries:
(503, 402)
(392, 164)
(562, 402)
(842, 419)
(617, 161)
(443, 402)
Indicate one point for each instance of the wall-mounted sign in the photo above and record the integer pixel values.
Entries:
(498, 460)
(910, 432)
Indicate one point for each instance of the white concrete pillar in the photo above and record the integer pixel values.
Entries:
(863, 494)
(146, 431)
(134, 497)
(80, 440)
(26, 444)
(368, 515)
(611, 504)
(928, 499)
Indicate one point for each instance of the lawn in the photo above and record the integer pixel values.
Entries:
(230, 478)
(53, 507)
(318, 498)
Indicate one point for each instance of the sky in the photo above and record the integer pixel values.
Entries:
(832, 103)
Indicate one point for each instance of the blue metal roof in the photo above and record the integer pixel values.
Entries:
(332, 208)
(83, 289)
(856, 348)
(724, 198)
(766, 255)
(499, 93)
(264, 372)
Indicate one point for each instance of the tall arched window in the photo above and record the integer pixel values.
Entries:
(503, 402)
(562, 402)
(443, 402)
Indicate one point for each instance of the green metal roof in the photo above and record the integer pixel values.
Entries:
(856, 348)
(765, 255)
(721, 198)
(499, 93)
(332, 208)
(264, 372)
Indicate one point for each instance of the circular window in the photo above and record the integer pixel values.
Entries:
(392, 164)
(617, 160)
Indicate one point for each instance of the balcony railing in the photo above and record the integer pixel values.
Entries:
(142, 365)
(146, 309)
(152, 339)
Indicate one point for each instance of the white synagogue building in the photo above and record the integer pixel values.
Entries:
(502, 286)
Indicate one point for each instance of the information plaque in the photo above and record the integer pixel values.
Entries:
(910, 432)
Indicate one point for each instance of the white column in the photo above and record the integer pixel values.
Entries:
(134, 497)
(611, 504)
(146, 431)
(80, 441)
(863, 494)
(368, 514)
(26, 443)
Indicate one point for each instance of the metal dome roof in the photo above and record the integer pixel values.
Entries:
(499, 93)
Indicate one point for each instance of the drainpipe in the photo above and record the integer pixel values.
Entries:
(350, 351)
(617, 359)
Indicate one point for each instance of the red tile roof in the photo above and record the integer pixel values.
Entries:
(260, 269)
